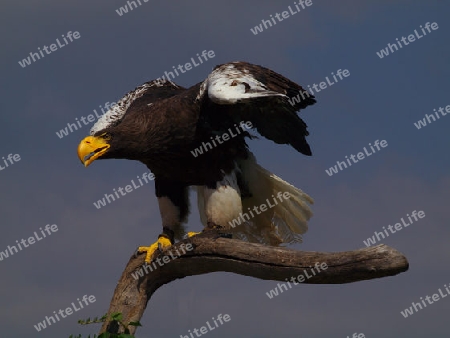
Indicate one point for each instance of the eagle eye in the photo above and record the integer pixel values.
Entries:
(106, 136)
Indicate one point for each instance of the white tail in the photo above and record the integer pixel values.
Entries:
(283, 223)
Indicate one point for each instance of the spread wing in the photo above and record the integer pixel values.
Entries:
(254, 93)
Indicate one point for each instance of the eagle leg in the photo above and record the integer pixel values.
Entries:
(174, 207)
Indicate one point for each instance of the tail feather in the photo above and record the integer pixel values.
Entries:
(282, 223)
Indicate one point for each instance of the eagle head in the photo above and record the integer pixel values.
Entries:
(93, 147)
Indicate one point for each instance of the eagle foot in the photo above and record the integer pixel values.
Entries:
(217, 230)
(162, 243)
(217, 233)
(209, 232)
(213, 226)
(230, 236)
(192, 234)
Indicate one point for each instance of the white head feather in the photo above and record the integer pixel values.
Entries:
(117, 111)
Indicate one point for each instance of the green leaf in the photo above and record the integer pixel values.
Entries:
(135, 323)
(116, 316)
(105, 335)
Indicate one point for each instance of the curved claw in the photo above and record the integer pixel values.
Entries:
(191, 234)
(161, 243)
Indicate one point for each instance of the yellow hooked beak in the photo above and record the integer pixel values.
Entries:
(91, 148)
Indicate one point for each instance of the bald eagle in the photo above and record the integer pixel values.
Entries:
(195, 137)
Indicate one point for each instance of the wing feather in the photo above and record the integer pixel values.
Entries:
(254, 93)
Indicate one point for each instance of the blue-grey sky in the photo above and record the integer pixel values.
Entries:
(380, 100)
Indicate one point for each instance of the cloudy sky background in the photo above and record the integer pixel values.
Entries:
(381, 99)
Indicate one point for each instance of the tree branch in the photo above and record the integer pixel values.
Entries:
(211, 253)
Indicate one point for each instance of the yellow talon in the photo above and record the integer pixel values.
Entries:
(192, 233)
(162, 242)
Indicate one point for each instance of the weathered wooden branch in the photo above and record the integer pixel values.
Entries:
(210, 253)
